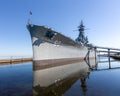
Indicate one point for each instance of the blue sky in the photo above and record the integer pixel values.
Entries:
(101, 17)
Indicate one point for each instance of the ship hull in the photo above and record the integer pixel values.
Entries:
(48, 50)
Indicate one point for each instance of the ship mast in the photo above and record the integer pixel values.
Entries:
(81, 37)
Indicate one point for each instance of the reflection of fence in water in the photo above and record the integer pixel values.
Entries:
(105, 55)
(105, 62)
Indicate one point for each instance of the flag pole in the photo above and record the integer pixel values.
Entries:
(30, 13)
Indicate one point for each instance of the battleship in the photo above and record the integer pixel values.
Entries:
(51, 48)
(57, 57)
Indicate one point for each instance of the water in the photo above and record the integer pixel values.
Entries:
(22, 80)
(16, 80)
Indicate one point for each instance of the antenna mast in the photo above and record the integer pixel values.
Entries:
(81, 37)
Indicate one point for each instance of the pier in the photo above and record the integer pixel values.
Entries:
(107, 52)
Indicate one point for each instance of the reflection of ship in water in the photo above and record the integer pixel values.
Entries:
(57, 80)
(60, 87)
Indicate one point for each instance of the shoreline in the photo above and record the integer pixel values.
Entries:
(14, 61)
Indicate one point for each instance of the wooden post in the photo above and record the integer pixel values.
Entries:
(109, 58)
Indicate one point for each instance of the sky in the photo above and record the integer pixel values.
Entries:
(100, 17)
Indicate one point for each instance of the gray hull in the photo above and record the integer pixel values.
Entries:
(52, 47)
